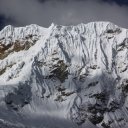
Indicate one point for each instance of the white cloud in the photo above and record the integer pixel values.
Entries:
(65, 13)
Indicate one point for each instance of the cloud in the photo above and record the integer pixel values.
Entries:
(119, 2)
(64, 12)
(5, 20)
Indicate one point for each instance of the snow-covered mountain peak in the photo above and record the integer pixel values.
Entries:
(33, 29)
(70, 75)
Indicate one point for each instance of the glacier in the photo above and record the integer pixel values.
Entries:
(64, 76)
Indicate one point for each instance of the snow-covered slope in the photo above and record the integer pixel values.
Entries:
(64, 76)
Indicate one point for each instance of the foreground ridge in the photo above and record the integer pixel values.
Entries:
(64, 76)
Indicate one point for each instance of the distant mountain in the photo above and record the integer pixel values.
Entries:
(64, 76)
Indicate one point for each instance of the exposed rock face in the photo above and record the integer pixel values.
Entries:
(64, 76)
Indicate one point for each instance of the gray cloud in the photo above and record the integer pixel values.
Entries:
(71, 12)
(5, 20)
(119, 2)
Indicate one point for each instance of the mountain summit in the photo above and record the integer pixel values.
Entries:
(64, 76)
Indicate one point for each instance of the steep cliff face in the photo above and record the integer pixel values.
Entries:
(64, 76)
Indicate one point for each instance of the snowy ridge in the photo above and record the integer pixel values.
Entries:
(70, 76)
(9, 34)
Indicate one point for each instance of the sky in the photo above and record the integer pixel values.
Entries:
(62, 12)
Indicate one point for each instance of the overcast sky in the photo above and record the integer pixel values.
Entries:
(62, 12)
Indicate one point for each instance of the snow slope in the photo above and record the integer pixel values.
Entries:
(64, 76)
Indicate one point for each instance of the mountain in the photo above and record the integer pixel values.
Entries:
(64, 76)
